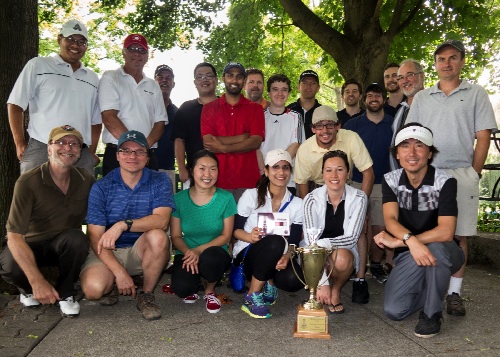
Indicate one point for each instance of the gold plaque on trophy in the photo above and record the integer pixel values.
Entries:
(311, 324)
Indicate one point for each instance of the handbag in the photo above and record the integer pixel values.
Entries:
(236, 274)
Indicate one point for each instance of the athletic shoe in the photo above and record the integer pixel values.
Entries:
(253, 305)
(146, 304)
(428, 326)
(191, 299)
(269, 294)
(110, 298)
(28, 300)
(378, 272)
(69, 307)
(212, 303)
(455, 305)
(360, 294)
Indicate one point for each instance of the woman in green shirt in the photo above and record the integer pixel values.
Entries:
(201, 228)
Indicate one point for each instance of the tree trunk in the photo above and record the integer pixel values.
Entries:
(19, 33)
(362, 49)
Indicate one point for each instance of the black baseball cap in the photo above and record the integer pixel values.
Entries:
(453, 43)
(309, 73)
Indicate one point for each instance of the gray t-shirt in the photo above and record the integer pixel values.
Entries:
(454, 120)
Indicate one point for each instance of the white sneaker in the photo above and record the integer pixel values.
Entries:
(28, 300)
(69, 307)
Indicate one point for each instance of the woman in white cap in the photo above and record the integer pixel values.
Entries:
(201, 228)
(265, 256)
(334, 215)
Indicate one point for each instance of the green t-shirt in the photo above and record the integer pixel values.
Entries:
(202, 224)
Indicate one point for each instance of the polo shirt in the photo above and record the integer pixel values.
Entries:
(219, 118)
(306, 115)
(40, 210)
(309, 157)
(343, 116)
(420, 208)
(140, 105)
(377, 139)
(56, 96)
(454, 120)
(187, 126)
(165, 152)
(111, 201)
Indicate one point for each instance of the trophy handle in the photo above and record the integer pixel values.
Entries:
(293, 253)
(329, 251)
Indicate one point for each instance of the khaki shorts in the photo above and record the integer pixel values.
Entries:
(467, 200)
(127, 257)
(375, 204)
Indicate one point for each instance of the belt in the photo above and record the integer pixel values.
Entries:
(114, 146)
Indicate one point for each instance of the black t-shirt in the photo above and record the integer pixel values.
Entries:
(187, 126)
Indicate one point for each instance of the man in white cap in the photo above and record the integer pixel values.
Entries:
(420, 212)
(56, 90)
(44, 227)
(308, 174)
(461, 116)
(131, 101)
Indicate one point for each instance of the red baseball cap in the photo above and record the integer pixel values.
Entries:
(137, 39)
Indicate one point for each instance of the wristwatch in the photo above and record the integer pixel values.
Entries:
(129, 223)
(406, 237)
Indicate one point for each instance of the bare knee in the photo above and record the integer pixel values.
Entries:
(156, 240)
(95, 284)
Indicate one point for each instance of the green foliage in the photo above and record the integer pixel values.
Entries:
(488, 219)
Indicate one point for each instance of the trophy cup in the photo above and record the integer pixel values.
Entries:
(312, 319)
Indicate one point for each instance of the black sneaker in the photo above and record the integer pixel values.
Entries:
(360, 294)
(428, 326)
(455, 305)
(378, 272)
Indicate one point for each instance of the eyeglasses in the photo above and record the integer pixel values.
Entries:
(74, 40)
(409, 75)
(128, 152)
(319, 126)
(201, 77)
(140, 50)
(63, 143)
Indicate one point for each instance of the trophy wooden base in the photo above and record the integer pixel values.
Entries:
(311, 324)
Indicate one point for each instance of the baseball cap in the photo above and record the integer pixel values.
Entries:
(74, 27)
(453, 43)
(374, 87)
(163, 67)
(137, 39)
(234, 65)
(135, 136)
(309, 73)
(275, 156)
(61, 131)
(324, 112)
(414, 132)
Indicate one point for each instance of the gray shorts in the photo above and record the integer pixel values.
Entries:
(375, 204)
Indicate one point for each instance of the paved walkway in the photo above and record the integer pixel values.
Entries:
(187, 330)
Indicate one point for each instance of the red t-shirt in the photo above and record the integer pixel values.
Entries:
(218, 118)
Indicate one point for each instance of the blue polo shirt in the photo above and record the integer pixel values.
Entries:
(111, 201)
(377, 139)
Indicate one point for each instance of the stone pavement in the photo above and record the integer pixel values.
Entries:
(187, 330)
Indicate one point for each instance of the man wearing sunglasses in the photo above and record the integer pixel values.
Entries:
(44, 227)
(57, 90)
(131, 101)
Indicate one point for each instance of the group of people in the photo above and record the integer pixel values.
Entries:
(357, 181)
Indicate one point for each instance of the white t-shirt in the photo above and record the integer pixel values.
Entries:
(247, 208)
(57, 96)
(140, 105)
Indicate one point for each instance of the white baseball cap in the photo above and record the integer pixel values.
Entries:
(74, 27)
(415, 132)
(275, 156)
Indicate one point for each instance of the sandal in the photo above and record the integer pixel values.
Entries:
(334, 309)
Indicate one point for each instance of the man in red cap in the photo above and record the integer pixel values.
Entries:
(131, 101)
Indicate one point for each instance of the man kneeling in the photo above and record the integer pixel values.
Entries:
(420, 213)
(128, 212)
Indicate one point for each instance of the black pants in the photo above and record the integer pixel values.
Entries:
(68, 251)
(213, 262)
(109, 162)
(261, 260)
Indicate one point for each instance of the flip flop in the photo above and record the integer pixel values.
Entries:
(332, 310)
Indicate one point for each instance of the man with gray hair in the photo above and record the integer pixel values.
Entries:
(56, 90)
(411, 80)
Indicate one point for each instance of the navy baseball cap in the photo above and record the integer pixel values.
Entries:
(374, 87)
(235, 65)
(135, 136)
